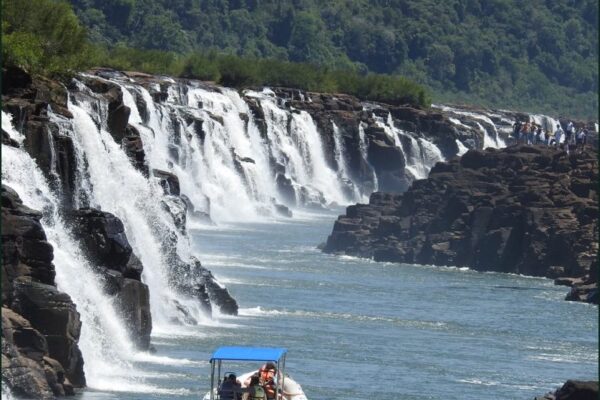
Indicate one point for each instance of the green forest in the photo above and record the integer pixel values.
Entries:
(537, 55)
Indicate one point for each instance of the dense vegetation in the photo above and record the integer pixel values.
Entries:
(45, 37)
(537, 54)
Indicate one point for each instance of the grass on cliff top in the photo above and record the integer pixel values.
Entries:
(239, 72)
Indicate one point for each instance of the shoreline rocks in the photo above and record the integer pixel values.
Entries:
(529, 210)
(573, 390)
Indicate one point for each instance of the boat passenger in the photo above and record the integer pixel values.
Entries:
(269, 383)
(230, 389)
(255, 390)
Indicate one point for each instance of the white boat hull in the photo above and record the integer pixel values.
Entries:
(291, 389)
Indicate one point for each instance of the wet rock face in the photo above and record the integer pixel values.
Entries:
(103, 239)
(168, 181)
(192, 279)
(527, 210)
(24, 351)
(28, 100)
(134, 148)
(118, 112)
(40, 325)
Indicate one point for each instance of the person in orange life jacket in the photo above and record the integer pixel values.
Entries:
(267, 378)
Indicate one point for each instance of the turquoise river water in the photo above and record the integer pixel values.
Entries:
(357, 329)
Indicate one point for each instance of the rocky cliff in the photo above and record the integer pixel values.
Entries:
(529, 210)
(40, 324)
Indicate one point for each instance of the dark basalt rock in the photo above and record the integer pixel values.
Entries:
(118, 112)
(7, 140)
(103, 237)
(574, 390)
(54, 315)
(168, 181)
(134, 148)
(192, 279)
(286, 189)
(523, 209)
(104, 240)
(24, 351)
(40, 324)
(29, 100)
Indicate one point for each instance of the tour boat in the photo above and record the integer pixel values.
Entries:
(285, 387)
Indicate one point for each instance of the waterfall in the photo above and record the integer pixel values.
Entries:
(104, 341)
(462, 149)
(363, 146)
(420, 154)
(491, 136)
(353, 192)
(6, 392)
(123, 191)
(295, 143)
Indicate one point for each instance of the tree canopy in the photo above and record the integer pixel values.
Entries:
(539, 54)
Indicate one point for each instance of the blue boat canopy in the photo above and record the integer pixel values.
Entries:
(248, 353)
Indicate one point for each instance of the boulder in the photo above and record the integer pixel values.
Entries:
(192, 279)
(55, 316)
(104, 241)
(573, 390)
(168, 181)
(103, 237)
(133, 302)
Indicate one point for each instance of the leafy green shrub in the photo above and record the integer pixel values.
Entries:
(43, 36)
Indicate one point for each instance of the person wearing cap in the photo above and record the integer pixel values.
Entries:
(266, 374)
(230, 389)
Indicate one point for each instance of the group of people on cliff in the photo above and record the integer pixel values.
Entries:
(259, 386)
(568, 139)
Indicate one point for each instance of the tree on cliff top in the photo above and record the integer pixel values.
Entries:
(43, 36)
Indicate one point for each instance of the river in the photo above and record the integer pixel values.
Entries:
(356, 329)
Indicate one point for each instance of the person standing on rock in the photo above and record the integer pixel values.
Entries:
(531, 132)
(538, 135)
(549, 137)
(558, 134)
(581, 140)
(524, 132)
(516, 130)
